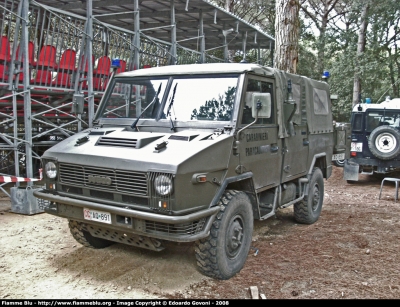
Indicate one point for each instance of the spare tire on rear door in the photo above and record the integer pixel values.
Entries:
(384, 142)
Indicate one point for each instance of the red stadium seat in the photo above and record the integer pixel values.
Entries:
(45, 65)
(5, 58)
(101, 73)
(65, 68)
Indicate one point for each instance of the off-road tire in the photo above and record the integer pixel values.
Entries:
(85, 238)
(308, 210)
(223, 253)
(384, 142)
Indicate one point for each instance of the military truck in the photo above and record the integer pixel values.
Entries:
(194, 153)
(375, 140)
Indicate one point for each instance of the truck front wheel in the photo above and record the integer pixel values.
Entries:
(308, 210)
(223, 253)
(85, 238)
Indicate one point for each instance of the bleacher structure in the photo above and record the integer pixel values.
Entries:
(56, 59)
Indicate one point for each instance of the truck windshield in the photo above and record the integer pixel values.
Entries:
(195, 98)
(130, 97)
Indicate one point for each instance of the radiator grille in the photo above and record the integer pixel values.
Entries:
(123, 181)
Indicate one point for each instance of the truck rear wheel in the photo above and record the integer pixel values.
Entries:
(223, 253)
(308, 210)
(85, 238)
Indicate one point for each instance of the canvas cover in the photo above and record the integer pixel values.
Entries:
(313, 104)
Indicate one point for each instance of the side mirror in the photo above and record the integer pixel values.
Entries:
(265, 100)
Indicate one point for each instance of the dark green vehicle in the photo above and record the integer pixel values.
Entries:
(194, 153)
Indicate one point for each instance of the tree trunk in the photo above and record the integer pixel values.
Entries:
(229, 5)
(322, 41)
(287, 27)
(395, 87)
(360, 51)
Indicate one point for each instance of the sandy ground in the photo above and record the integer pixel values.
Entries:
(352, 251)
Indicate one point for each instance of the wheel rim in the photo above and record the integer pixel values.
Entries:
(316, 198)
(234, 237)
(385, 142)
(340, 162)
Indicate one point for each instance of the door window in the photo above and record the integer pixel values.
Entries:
(257, 86)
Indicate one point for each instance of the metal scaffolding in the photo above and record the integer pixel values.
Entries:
(56, 60)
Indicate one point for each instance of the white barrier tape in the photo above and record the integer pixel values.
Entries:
(16, 179)
(19, 179)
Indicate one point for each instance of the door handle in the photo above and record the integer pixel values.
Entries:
(274, 148)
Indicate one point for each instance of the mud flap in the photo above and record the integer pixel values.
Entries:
(351, 170)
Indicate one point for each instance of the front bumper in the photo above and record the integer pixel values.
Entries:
(186, 228)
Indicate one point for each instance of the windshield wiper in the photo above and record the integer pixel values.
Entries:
(169, 107)
(151, 103)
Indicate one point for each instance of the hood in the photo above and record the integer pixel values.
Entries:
(121, 148)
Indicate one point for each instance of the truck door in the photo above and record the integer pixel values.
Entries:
(296, 145)
(260, 149)
(295, 155)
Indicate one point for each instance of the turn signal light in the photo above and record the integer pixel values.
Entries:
(163, 204)
(201, 178)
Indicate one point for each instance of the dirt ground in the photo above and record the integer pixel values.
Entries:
(351, 252)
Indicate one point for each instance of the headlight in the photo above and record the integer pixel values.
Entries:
(163, 185)
(51, 170)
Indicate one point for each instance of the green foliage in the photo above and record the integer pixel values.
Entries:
(333, 45)
(307, 64)
(259, 13)
(378, 67)
(214, 109)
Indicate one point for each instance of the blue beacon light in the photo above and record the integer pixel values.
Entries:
(326, 74)
(115, 63)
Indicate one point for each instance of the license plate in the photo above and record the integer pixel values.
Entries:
(98, 216)
(338, 157)
(356, 147)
